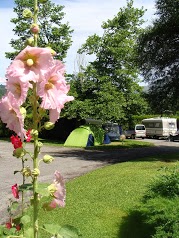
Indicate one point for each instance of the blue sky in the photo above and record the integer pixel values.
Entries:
(6, 3)
(84, 16)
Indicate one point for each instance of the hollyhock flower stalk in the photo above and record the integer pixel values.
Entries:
(34, 69)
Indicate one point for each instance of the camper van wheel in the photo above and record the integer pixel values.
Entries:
(132, 136)
(170, 138)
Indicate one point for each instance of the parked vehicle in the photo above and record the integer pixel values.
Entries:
(138, 132)
(174, 137)
(160, 127)
(112, 130)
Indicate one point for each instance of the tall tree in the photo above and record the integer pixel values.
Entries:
(111, 81)
(53, 33)
(158, 49)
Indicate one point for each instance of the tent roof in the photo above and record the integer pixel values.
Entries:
(79, 137)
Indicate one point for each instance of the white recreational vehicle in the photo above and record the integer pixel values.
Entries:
(160, 126)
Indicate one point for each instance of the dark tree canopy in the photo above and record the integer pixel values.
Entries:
(53, 32)
(159, 54)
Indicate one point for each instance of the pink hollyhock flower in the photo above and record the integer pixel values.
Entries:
(18, 86)
(52, 83)
(15, 191)
(16, 141)
(60, 193)
(10, 114)
(53, 89)
(54, 114)
(28, 136)
(31, 62)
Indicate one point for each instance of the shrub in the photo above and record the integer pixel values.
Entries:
(165, 185)
(160, 205)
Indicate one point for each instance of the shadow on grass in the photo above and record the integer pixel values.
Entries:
(121, 145)
(112, 156)
(133, 226)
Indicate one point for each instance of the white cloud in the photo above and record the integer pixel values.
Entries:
(85, 17)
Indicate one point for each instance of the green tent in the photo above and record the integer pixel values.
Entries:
(84, 136)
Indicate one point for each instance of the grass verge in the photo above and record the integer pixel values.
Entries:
(113, 145)
(126, 144)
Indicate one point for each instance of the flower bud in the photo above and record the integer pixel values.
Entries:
(52, 189)
(49, 125)
(48, 159)
(36, 172)
(34, 133)
(40, 144)
(30, 41)
(26, 171)
(19, 152)
(27, 13)
(34, 28)
(23, 112)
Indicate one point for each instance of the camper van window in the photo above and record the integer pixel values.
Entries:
(140, 127)
(151, 125)
(171, 125)
(158, 124)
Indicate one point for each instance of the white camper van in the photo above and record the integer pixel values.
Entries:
(160, 126)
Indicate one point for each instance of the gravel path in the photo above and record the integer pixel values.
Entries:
(70, 162)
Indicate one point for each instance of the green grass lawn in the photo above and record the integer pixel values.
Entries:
(113, 145)
(121, 145)
(100, 203)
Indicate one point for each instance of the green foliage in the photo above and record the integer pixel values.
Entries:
(165, 185)
(94, 98)
(161, 204)
(66, 231)
(53, 32)
(158, 57)
(108, 88)
(4, 132)
(2, 90)
(163, 215)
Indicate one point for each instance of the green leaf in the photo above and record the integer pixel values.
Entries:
(14, 205)
(27, 186)
(52, 228)
(42, 190)
(1, 230)
(29, 233)
(68, 231)
(25, 219)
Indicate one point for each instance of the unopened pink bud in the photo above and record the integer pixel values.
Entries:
(34, 28)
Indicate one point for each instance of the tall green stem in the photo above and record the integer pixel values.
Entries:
(23, 182)
(35, 19)
(35, 162)
(35, 127)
